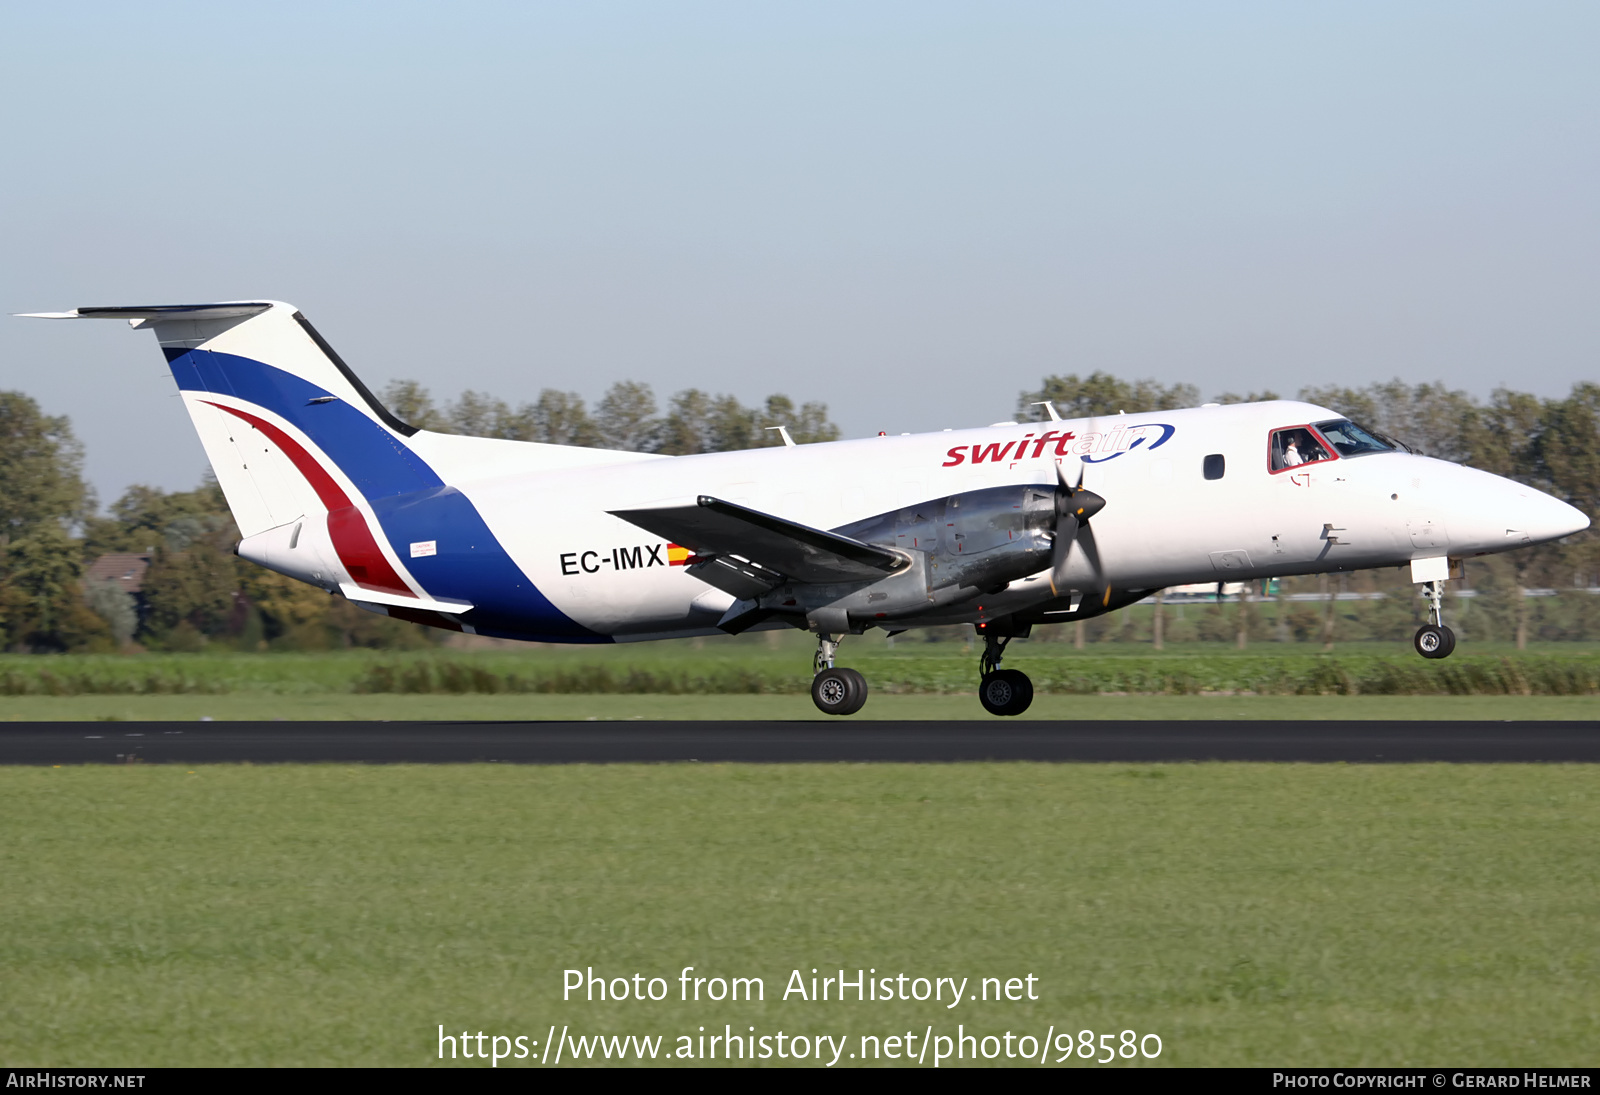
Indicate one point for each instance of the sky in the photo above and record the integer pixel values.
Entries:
(909, 211)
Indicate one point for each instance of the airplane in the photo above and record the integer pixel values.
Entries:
(1003, 527)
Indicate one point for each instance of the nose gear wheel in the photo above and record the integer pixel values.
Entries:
(1433, 639)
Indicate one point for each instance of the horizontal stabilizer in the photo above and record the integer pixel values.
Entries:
(421, 604)
(798, 552)
(231, 310)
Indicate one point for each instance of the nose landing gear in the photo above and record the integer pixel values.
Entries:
(1001, 691)
(835, 691)
(1433, 639)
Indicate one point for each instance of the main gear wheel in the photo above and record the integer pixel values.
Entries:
(839, 691)
(1005, 692)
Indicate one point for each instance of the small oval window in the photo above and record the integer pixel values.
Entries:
(1215, 466)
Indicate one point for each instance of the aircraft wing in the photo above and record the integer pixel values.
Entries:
(746, 551)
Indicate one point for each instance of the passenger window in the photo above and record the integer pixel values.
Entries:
(1215, 466)
(1296, 445)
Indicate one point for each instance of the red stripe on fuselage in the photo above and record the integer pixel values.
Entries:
(347, 526)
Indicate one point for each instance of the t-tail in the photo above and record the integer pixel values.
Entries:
(328, 487)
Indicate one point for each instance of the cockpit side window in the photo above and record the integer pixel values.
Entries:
(1293, 446)
(1349, 439)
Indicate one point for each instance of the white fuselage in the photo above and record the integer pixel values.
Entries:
(1164, 522)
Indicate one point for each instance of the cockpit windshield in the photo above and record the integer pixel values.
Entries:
(1349, 439)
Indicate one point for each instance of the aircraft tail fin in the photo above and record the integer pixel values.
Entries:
(290, 430)
(327, 486)
(265, 391)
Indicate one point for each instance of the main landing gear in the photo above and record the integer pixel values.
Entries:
(835, 691)
(1433, 639)
(1001, 691)
(839, 691)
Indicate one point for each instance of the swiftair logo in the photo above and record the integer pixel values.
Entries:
(1093, 447)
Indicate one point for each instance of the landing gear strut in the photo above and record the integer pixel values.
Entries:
(835, 691)
(1001, 691)
(1433, 639)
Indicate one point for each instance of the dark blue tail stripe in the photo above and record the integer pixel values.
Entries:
(411, 502)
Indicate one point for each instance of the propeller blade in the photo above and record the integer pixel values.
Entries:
(1074, 507)
(1091, 555)
(1066, 532)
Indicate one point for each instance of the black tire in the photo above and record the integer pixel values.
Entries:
(1024, 686)
(838, 691)
(1005, 692)
(861, 691)
(1432, 641)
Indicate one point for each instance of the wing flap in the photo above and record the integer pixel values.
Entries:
(712, 527)
(735, 576)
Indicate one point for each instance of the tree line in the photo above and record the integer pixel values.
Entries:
(626, 417)
(197, 594)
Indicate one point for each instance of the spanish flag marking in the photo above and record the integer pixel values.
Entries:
(677, 556)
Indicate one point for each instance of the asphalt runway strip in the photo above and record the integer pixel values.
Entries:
(1363, 742)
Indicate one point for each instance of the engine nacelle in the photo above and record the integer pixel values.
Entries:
(982, 538)
(959, 547)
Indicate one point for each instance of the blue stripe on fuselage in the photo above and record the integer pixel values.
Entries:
(411, 502)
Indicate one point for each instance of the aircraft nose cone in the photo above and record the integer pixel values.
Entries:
(1534, 517)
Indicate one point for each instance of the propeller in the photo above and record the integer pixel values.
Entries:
(1074, 507)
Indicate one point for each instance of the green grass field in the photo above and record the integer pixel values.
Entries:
(767, 676)
(1247, 914)
(246, 705)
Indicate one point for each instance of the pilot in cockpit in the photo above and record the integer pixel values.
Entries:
(1293, 447)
